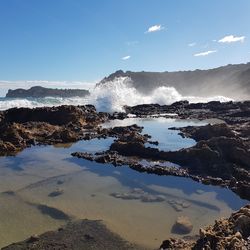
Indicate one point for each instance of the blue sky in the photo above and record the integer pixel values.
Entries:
(85, 40)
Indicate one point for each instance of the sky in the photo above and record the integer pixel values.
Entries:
(86, 40)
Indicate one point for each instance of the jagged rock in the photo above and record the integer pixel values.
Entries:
(229, 234)
(207, 132)
(23, 127)
(177, 244)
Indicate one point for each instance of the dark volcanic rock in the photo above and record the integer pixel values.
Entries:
(39, 92)
(216, 161)
(134, 149)
(207, 132)
(85, 234)
(56, 115)
(214, 156)
(22, 127)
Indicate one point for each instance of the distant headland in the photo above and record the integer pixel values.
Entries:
(40, 92)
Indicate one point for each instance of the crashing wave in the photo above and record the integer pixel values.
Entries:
(111, 96)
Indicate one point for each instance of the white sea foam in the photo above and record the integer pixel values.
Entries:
(111, 96)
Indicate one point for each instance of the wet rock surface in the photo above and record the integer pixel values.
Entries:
(230, 234)
(23, 127)
(84, 234)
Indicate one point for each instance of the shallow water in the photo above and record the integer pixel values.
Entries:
(158, 128)
(86, 190)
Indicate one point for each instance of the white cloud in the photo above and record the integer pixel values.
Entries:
(206, 53)
(155, 28)
(191, 44)
(232, 39)
(126, 58)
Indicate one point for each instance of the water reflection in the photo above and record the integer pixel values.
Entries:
(133, 179)
(86, 188)
(158, 128)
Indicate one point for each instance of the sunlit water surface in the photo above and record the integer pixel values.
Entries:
(86, 190)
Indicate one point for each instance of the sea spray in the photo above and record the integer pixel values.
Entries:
(111, 96)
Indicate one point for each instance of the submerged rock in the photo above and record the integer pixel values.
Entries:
(56, 193)
(178, 205)
(182, 225)
(139, 194)
(84, 234)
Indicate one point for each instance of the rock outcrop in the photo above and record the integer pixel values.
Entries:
(23, 127)
(40, 92)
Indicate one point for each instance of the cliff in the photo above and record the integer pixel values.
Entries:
(231, 80)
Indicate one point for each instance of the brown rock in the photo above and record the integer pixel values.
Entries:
(182, 225)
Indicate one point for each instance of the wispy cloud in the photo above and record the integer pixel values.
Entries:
(155, 28)
(126, 58)
(232, 39)
(205, 53)
(191, 44)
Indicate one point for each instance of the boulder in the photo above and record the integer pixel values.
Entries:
(182, 225)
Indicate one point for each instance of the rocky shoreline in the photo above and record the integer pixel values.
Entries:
(231, 233)
(227, 233)
(23, 127)
(220, 157)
